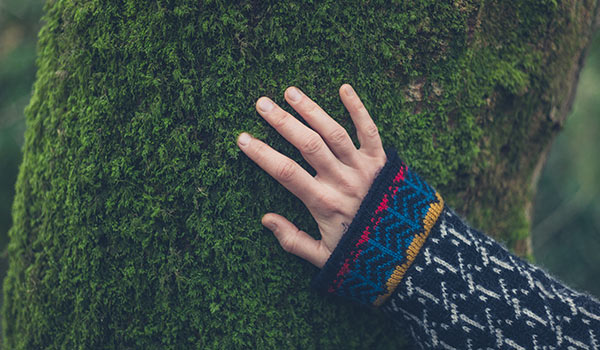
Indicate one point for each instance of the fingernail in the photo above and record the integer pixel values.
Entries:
(294, 94)
(244, 139)
(348, 91)
(265, 105)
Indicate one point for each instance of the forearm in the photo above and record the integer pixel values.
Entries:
(462, 289)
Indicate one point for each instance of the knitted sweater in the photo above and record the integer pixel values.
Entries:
(447, 284)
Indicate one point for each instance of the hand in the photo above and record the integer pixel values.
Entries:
(344, 174)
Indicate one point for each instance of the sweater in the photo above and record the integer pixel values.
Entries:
(445, 283)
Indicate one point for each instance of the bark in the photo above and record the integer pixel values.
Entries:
(137, 219)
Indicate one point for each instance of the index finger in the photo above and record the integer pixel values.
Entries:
(286, 171)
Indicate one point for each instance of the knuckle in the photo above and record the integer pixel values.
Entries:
(288, 243)
(312, 144)
(371, 130)
(280, 119)
(348, 185)
(313, 109)
(338, 136)
(359, 106)
(260, 150)
(286, 171)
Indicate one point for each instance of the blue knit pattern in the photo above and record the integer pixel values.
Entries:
(466, 291)
(387, 231)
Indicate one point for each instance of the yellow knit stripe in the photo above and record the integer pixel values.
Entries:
(435, 209)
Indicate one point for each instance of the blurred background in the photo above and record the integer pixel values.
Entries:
(19, 25)
(566, 220)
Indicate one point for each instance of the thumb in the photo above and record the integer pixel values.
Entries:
(295, 241)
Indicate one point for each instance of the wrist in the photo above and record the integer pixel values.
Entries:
(389, 229)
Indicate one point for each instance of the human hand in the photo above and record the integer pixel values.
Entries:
(344, 174)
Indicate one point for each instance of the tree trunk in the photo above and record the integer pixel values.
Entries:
(137, 219)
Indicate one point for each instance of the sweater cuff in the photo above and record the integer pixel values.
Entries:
(386, 234)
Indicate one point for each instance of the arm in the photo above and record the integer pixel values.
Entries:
(389, 241)
(449, 285)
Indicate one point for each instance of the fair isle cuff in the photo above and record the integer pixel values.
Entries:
(385, 236)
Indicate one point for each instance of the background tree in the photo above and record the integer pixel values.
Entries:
(137, 220)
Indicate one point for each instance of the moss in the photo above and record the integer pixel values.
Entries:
(137, 219)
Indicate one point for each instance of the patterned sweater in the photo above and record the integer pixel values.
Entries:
(447, 284)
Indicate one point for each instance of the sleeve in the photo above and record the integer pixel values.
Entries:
(445, 283)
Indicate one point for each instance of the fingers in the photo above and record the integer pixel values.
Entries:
(334, 134)
(287, 172)
(310, 144)
(295, 241)
(367, 132)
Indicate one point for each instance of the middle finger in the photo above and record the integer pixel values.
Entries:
(335, 135)
(307, 141)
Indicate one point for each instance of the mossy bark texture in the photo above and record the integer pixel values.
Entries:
(137, 219)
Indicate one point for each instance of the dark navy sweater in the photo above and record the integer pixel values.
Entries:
(447, 284)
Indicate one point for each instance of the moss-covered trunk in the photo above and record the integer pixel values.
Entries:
(137, 219)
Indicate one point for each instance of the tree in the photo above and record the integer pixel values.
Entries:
(137, 219)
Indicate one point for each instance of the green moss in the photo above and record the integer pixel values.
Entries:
(137, 219)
